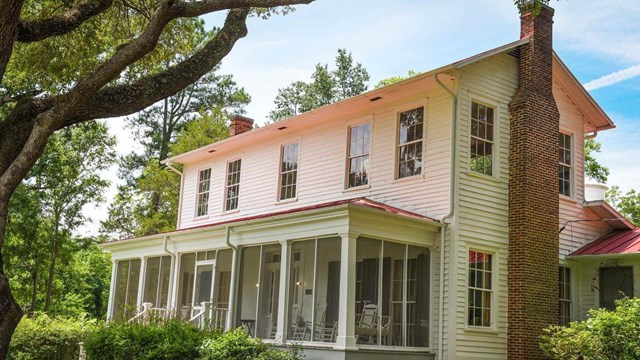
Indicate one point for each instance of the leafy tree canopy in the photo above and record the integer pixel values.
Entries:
(348, 79)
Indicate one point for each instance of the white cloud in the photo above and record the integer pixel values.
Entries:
(613, 78)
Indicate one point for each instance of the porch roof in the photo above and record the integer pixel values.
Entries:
(621, 242)
(360, 202)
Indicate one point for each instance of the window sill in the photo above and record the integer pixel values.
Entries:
(230, 212)
(483, 176)
(409, 178)
(481, 330)
(567, 199)
(286, 201)
(201, 218)
(357, 188)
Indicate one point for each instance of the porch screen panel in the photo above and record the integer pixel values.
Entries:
(391, 322)
(248, 288)
(187, 273)
(327, 289)
(418, 283)
(301, 290)
(156, 283)
(223, 279)
(126, 293)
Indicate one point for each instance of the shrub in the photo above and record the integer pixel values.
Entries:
(162, 341)
(46, 338)
(238, 345)
(604, 335)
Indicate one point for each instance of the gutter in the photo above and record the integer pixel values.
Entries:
(446, 220)
(168, 164)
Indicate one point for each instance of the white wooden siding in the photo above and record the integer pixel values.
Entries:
(322, 167)
(576, 234)
(482, 205)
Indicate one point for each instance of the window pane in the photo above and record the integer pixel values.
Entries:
(481, 144)
(204, 277)
(187, 272)
(480, 289)
(152, 274)
(233, 187)
(359, 155)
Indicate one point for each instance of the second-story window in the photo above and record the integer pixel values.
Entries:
(288, 171)
(233, 185)
(204, 181)
(481, 139)
(410, 142)
(564, 170)
(359, 140)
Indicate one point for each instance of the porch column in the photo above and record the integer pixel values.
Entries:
(112, 288)
(283, 295)
(346, 317)
(175, 278)
(233, 290)
(143, 266)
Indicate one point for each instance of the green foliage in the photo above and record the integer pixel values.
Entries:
(627, 204)
(346, 80)
(41, 253)
(209, 128)
(166, 340)
(605, 335)
(47, 338)
(530, 5)
(593, 169)
(396, 79)
(238, 345)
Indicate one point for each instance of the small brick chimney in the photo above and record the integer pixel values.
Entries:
(240, 124)
(533, 192)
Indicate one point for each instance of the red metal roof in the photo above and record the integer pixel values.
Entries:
(618, 242)
(362, 201)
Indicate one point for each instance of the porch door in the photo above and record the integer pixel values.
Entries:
(614, 282)
(203, 284)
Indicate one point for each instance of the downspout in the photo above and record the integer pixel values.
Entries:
(446, 220)
(234, 275)
(168, 164)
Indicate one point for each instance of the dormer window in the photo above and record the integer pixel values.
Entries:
(232, 191)
(410, 134)
(288, 171)
(481, 139)
(204, 181)
(565, 165)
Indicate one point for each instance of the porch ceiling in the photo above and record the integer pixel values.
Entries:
(621, 242)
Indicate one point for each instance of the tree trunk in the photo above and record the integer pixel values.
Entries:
(10, 311)
(52, 266)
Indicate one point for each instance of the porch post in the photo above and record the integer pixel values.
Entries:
(175, 278)
(112, 288)
(346, 317)
(143, 265)
(233, 290)
(283, 295)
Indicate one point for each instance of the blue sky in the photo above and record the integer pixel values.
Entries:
(598, 40)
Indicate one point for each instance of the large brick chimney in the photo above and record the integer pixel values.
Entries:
(533, 192)
(240, 124)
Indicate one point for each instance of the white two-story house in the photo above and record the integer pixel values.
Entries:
(445, 216)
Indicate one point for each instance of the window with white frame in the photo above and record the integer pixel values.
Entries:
(359, 141)
(288, 171)
(564, 285)
(410, 136)
(565, 164)
(232, 190)
(204, 182)
(482, 121)
(480, 289)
